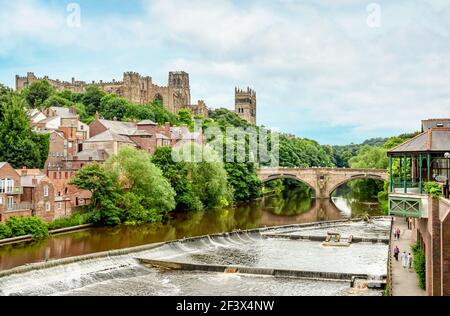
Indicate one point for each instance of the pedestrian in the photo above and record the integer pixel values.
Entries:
(404, 258)
(410, 260)
(398, 233)
(396, 252)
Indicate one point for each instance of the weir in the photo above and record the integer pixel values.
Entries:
(237, 263)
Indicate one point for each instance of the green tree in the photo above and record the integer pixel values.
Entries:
(207, 174)
(19, 145)
(177, 174)
(243, 179)
(185, 117)
(55, 100)
(370, 157)
(37, 93)
(105, 194)
(92, 99)
(113, 107)
(135, 173)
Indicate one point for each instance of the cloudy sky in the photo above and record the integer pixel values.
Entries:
(336, 71)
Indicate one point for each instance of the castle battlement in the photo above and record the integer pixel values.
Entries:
(133, 87)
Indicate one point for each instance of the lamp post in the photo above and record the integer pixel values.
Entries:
(447, 157)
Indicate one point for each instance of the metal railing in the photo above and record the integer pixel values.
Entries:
(19, 207)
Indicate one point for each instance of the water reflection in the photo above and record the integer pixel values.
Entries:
(294, 205)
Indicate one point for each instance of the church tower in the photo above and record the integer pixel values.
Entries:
(245, 104)
(179, 85)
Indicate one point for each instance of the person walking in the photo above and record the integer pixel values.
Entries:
(410, 261)
(398, 233)
(396, 252)
(404, 258)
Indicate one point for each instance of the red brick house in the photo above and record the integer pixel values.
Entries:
(39, 192)
(11, 194)
(25, 192)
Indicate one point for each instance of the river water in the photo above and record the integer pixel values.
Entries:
(292, 206)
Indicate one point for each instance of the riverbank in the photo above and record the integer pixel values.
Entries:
(25, 238)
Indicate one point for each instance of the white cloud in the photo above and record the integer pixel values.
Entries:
(311, 62)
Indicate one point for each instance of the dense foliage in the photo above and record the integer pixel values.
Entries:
(21, 226)
(177, 175)
(419, 264)
(128, 188)
(19, 145)
(75, 219)
(434, 189)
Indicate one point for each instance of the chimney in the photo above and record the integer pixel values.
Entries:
(24, 171)
(167, 129)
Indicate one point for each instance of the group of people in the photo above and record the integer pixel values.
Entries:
(407, 259)
(397, 233)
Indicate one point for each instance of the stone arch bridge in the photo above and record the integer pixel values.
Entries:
(324, 181)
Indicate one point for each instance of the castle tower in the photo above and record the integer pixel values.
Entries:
(245, 104)
(180, 89)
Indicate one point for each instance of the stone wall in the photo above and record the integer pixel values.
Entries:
(433, 233)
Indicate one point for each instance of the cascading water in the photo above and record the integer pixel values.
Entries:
(124, 275)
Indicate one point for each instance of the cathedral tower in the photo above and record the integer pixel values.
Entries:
(245, 104)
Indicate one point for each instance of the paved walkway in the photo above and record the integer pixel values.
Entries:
(404, 281)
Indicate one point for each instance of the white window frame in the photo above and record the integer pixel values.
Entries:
(59, 205)
(46, 190)
(48, 207)
(1, 200)
(10, 201)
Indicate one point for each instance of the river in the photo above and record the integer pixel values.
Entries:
(295, 205)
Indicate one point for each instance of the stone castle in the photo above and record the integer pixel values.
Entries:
(139, 89)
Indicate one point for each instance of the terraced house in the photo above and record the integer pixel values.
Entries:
(26, 192)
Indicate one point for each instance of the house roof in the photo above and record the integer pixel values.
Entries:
(161, 136)
(63, 112)
(49, 119)
(92, 154)
(147, 122)
(2, 164)
(139, 132)
(432, 140)
(122, 128)
(108, 136)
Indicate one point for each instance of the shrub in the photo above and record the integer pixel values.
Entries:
(434, 189)
(419, 264)
(33, 225)
(74, 220)
(5, 231)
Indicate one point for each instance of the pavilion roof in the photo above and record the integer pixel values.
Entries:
(432, 140)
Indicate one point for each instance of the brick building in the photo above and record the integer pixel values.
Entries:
(26, 192)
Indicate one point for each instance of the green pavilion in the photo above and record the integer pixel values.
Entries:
(424, 158)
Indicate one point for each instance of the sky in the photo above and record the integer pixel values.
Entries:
(338, 71)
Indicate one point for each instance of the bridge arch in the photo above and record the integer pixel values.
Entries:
(355, 177)
(292, 177)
